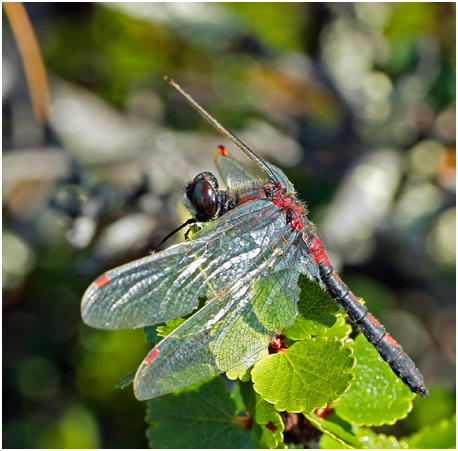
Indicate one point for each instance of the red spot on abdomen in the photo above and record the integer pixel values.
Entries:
(373, 320)
(150, 357)
(102, 280)
(391, 340)
(223, 151)
(352, 296)
(318, 252)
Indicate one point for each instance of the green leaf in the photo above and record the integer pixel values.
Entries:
(439, 436)
(151, 334)
(316, 311)
(371, 440)
(127, 380)
(307, 376)
(170, 326)
(377, 396)
(337, 437)
(268, 426)
(239, 372)
(341, 329)
(154, 334)
(202, 415)
(327, 442)
(238, 399)
(335, 434)
(242, 372)
(272, 303)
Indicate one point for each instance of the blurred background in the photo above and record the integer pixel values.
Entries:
(354, 101)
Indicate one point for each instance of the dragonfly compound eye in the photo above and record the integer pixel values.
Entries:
(203, 195)
(204, 199)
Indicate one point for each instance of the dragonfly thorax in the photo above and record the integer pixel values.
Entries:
(206, 202)
(295, 210)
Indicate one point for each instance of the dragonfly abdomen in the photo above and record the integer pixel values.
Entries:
(387, 347)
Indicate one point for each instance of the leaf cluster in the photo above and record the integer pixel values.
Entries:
(319, 388)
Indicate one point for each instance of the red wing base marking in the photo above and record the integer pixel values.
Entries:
(151, 356)
(102, 280)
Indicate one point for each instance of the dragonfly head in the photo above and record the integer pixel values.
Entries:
(202, 198)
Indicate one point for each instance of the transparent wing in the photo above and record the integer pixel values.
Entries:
(232, 329)
(281, 177)
(168, 284)
(270, 170)
(235, 173)
(232, 170)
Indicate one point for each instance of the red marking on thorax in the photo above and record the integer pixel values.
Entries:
(296, 223)
(287, 201)
(223, 151)
(102, 280)
(293, 209)
(150, 357)
(318, 251)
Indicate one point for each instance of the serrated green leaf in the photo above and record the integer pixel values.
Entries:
(335, 435)
(199, 416)
(372, 440)
(377, 396)
(341, 329)
(270, 426)
(362, 438)
(275, 308)
(154, 334)
(316, 311)
(243, 372)
(127, 380)
(169, 326)
(439, 436)
(307, 376)
(327, 442)
(239, 372)
(151, 334)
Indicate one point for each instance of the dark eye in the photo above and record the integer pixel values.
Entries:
(204, 199)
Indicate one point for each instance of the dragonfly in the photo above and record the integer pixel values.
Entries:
(245, 263)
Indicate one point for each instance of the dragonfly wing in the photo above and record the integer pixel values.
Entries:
(168, 284)
(281, 177)
(232, 170)
(232, 329)
(235, 173)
